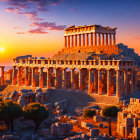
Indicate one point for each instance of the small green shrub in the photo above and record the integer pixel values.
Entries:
(89, 113)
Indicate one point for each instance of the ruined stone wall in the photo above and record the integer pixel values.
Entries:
(128, 120)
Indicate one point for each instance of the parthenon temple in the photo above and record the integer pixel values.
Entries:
(94, 74)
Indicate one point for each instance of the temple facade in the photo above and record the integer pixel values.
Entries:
(108, 77)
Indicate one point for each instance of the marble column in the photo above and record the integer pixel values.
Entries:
(99, 82)
(72, 79)
(89, 81)
(48, 78)
(68, 41)
(106, 38)
(91, 39)
(33, 77)
(79, 39)
(118, 90)
(114, 39)
(26, 77)
(72, 42)
(108, 83)
(41, 80)
(11, 76)
(64, 78)
(2, 75)
(19, 76)
(56, 78)
(103, 39)
(80, 80)
(95, 81)
(14, 76)
(125, 82)
(95, 39)
(75, 40)
(87, 39)
(83, 39)
(65, 41)
(99, 39)
(110, 39)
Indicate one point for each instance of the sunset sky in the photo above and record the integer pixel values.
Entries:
(36, 27)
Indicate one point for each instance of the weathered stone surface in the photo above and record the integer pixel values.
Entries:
(98, 118)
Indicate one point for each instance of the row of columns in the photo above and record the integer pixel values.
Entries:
(94, 38)
(60, 80)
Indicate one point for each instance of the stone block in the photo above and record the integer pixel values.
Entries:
(97, 118)
(94, 133)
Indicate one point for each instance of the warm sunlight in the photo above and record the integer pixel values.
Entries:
(2, 49)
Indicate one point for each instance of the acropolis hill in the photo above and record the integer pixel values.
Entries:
(90, 62)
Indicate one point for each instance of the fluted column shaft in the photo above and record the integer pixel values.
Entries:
(72, 79)
(79, 39)
(68, 41)
(99, 82)
(75, 40)
(48, 78)
(114, 39)
(26, 77)
(95, 39)
(83, 39)
(106, 38)
(99, 39)
(2, 75)
(41, 78)
(65, 41)
(103, 39)
(19, 77)
(91, 39)
(14, 76)
(125, 82)
(110, 39)
(56, 78)
(108, 82)
(89, 81)
(64, 79)
(87, 39)
(80, 80)
(118, 90)
(72, 42)
(33, 77)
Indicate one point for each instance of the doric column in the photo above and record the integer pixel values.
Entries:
(125, 82)
(95, 81)
(11, 76)
(103, 39)
(65, 37)
(72, 42)
(95, 39)
(41, 81)
(33, 77)
(83, 39)
(19, 76)
(89, 81)
(110, 39)
(106, 38)
(48, 78)
(112, 82)
(72, 79)
(64, 78)
(75, 40)
(56, 78)
(80, 80)
(108, 83)
(26, 77)
(118, 90)
(99, 82)
(114, 39)
(14, 76)
(99, 39)
(87, 39)
(135, 79)
(2, 75)
(91, 39)
(79, 39)
(68, 41)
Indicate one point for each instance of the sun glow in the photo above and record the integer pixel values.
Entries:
(2, 49)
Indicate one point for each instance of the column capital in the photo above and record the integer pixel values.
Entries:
(72, 68)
